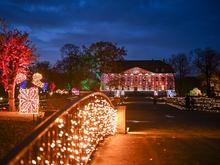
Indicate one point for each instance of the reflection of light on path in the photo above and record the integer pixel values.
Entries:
(169, 116)
(174, 134)
(139, 121)
(137, 102)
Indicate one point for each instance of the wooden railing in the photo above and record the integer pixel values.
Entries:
(70, 135)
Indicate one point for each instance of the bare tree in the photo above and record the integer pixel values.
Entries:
(105, 55)
(181, 65)
(207, 61)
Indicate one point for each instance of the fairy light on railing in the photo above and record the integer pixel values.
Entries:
(76, 133)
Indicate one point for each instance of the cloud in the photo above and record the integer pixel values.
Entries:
(146, 28)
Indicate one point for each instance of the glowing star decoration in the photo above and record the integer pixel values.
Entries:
(20, 78)
(37, 80)
(29, 100)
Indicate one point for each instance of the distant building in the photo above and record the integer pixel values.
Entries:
(153, 76)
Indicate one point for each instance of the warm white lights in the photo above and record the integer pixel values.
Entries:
(20, 77)
(37, 80)
(29, 100)
(78, 132)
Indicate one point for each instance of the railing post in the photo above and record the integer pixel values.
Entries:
(121, 119)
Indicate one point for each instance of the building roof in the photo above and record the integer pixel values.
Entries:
(155, 66)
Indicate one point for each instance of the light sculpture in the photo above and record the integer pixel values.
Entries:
(20, 77)
(37, 80)
(45, 86)
(29, 100)
(52, 86)
(23, 84)
(75, 91)
(62, 91)
(84, 84)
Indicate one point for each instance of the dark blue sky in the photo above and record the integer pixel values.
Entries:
(146, 28)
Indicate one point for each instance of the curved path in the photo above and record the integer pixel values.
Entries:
(160, 134)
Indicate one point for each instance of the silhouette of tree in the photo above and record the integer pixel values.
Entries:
(70, 63)
(105, 54)
(83, 63)
(207, 61)
(181, 65)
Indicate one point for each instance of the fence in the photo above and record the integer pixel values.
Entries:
(70, 135)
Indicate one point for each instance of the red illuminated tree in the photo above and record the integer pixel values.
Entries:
(16, 54)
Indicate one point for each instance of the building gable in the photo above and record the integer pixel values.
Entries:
(137, 70)
(154, 66)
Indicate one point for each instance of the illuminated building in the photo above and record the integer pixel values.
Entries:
(152, 76)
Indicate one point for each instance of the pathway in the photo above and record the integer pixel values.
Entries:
(160, 134)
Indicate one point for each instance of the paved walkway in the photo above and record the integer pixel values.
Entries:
(15, 116)
(160, 134)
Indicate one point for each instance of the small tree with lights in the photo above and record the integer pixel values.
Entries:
(16, 54)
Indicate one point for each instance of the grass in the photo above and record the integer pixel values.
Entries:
(13, 131)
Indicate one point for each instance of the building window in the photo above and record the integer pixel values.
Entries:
(156, 78)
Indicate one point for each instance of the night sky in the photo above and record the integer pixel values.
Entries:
(148, 29)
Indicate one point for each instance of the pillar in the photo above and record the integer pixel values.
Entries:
(121, 119)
